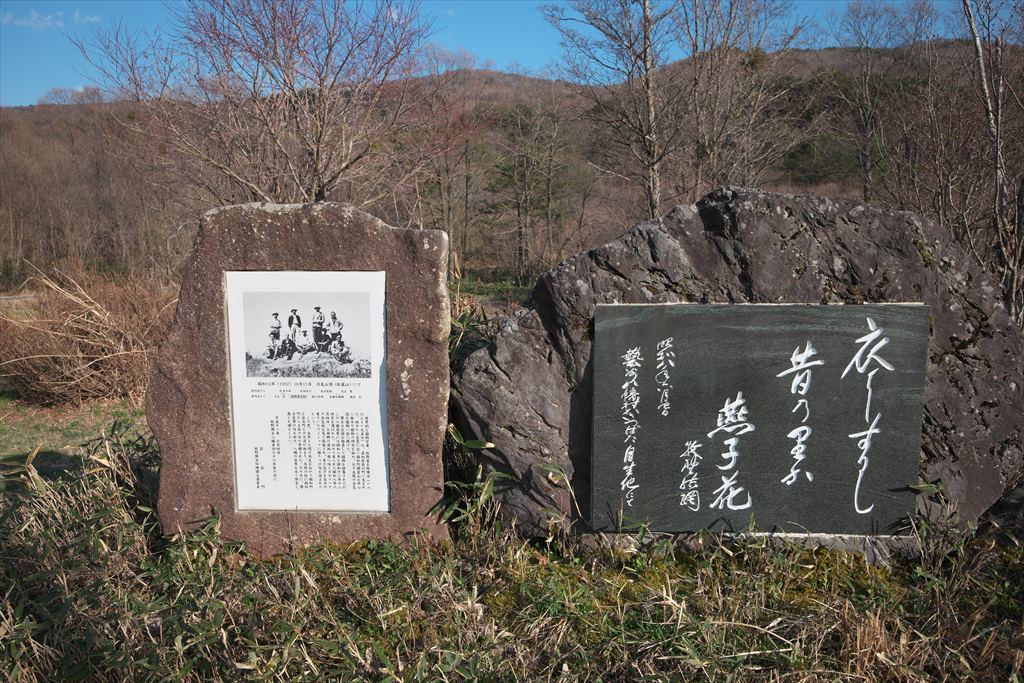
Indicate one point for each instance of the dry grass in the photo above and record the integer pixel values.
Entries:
(81, 335)
(470, 326)
(90, 590)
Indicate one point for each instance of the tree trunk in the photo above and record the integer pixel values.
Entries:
(650, 144)
(464, 237)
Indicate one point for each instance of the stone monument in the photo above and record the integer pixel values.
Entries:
(740, 245)
(301, 393)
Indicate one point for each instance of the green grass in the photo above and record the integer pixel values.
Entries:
(58, 432)
(92, 591)
(502, 291)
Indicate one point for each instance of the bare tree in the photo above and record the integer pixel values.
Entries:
(875, 33)
(87, 95)
(949, 128)
(934, 150)
(720, 114)
(932, 146)
(739, 118)
(273, 100)
(999, 90)
(520, 183)
(450, 121)
(615, 51)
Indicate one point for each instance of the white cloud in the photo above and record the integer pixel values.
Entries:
(86, 18)
(6, 18)
(35, 20)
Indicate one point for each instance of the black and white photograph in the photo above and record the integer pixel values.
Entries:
(307, 334)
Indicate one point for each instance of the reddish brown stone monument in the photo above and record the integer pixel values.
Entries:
(301, 393)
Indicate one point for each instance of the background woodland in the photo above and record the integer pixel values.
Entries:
(287, 101)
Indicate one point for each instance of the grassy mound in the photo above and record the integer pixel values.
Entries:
(91, 590)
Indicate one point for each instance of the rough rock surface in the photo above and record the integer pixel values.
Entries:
(188, 405)
(529, 392)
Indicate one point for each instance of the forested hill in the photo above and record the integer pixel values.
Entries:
(522, 170)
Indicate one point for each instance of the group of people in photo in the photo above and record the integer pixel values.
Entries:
(287, 339)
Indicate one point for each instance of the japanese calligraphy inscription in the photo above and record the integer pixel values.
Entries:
(791, 418)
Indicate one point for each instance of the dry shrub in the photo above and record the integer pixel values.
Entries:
(79, 335)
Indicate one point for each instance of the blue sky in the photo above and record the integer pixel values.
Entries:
(37, 55)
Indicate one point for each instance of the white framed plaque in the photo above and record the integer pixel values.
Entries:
(308, 390)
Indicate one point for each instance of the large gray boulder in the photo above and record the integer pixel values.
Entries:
(529, 392)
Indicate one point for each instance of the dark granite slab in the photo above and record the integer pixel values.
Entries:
(728, 432)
